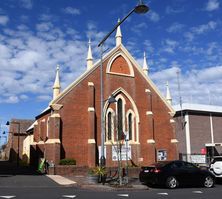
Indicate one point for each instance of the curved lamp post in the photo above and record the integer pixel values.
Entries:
(141, 8)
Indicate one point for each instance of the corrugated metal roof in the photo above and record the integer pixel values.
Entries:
(198, 107)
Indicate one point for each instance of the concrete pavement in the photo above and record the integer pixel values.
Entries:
(86, 182)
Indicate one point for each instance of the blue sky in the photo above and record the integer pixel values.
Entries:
(36, 35)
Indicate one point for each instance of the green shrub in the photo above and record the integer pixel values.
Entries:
(67, 161)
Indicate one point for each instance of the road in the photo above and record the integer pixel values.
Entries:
(24, 184)
(41, 187)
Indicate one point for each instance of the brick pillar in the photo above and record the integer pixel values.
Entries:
(150, 118)
(174, 140)
(53, 144)
(91, 126)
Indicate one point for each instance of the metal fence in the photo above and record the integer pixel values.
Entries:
(199, 159)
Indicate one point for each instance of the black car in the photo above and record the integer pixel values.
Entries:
(176, 173)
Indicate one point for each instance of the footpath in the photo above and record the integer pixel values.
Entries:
(86, 182)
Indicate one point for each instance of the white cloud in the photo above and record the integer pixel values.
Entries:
(175, 27)
(197, 86)
(72, 11)
(28, 60)
(212, 5)
(44, 27)
(153, 16)
(12, 99)
(169, 45)
(170, 10)
(201, 29)
(44, 98)
(3, 20)
(28, 4)
(211, 25)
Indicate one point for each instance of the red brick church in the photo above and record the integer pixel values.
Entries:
(71, 125)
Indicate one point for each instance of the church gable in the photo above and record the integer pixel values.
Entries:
(119, 64)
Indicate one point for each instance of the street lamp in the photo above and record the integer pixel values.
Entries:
(18, 133)
(141, 8)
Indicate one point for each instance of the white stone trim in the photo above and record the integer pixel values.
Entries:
(90, 84)
(151, 141)
(41, 142)
(55, 115)
(91, 141)
(131, 142)
(171, 114)
(111, 60)
(147, 90)
(140, 159)
(187, 133)
(53, 141)
(172, 121)
(211, 129)
(149, 113)
(174, 141)
(91, 109)
(56, 107)
(43, 120)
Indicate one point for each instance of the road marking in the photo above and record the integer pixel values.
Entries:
(7, 196)
(197, 191)
(69, 196)
(165, 194)
(123, 195)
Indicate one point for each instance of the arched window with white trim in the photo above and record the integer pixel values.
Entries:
(109, 129)
(130, 126)
(110, 118)
(119, 118)
(132, 134)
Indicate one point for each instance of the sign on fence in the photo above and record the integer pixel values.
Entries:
(198, 159)
(125, 153)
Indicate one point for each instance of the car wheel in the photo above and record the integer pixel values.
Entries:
(208, 182)
(171, 182)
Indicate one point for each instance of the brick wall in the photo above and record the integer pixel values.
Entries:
(74, 130)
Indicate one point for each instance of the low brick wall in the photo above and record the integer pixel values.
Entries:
(70, 170)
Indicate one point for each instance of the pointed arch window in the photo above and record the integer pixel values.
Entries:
(130, 126)
(109, 129)
(120, 118)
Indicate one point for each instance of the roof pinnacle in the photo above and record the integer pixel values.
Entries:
(168, 95)
(56, 86)
(118, 35)
(89, 56)
(145, 66)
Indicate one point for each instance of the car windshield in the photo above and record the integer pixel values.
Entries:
(217, 159)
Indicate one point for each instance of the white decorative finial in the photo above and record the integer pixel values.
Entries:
(145, 66)
(118, 35)
(56, 86)
(168, 95)
(89, 57)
